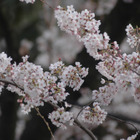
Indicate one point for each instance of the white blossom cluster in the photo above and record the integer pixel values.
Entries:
(36, 86)
(105, 94)
(133, 36)
(124, 72)
(131, 137)
(94, 115)
(4, 62)
(28, 1)
(122, 69)
(70, 76)
(84, 26)
(60, 117)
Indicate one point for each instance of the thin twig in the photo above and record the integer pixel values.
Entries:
(47, 124)
(120, 120)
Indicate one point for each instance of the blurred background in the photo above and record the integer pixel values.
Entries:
(31, 29)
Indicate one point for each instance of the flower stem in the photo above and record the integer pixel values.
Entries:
(47, 124)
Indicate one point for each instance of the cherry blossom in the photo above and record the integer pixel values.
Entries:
(119, 68)
(131, 137)
(70, 76)
(94, 115)
(133, 36)
(84, 26)
(28, 1)
(60, 117)
(105, 94)
(4, 62)
(36, 86)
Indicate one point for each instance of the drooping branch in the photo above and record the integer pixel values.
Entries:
(85, 129)
(55, 106)
(124, 119)
(121, 118)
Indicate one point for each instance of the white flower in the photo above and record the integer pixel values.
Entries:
(102, 81)
(94, 115)
(28, 1)
(133, 38)
(105, 94)
(131, 137)
(4, 62)
(1, 87)
(60, 117)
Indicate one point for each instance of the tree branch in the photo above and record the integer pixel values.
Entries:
(124, 119)
(55, 106)
(85, 129)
